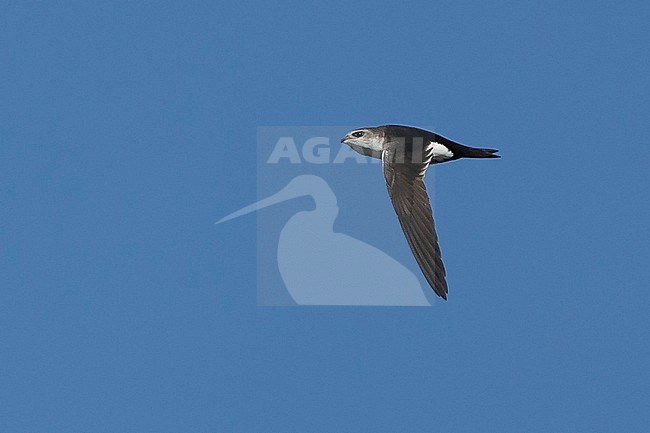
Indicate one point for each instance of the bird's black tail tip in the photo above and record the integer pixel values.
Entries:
(482, 153)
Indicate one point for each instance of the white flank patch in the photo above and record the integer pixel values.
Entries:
(440, 152)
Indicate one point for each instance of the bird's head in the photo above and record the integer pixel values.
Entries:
(369, 139)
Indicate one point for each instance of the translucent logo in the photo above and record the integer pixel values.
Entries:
(301, 258)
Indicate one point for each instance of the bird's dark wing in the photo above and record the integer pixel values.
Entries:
(411, 202)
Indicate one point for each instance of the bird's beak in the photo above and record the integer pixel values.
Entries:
(287, 193)
(347, 137)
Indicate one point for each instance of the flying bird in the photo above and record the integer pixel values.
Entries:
(406, 153)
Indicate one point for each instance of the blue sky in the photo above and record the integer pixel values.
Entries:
(129, 128)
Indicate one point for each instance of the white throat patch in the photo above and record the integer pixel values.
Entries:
(374, 145)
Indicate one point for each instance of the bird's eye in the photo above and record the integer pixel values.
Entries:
(357, 134)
